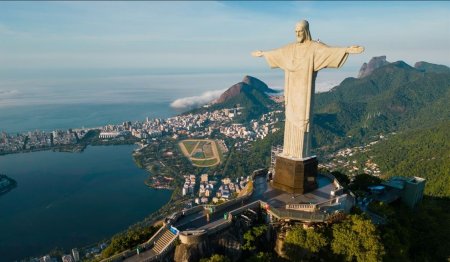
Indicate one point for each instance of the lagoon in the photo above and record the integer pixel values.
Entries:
(71, 200)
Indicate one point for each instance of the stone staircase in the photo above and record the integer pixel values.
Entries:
(154, 249)
(165, 238)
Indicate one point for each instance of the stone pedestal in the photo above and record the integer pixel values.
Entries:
(295, 175)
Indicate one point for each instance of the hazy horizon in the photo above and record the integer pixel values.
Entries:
(117, 52)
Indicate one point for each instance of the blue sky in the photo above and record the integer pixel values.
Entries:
(47, 40)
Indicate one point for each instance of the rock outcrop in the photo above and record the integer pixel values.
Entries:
(231, 92)
(258, 84)
(224, 243)
(192, 252)
(374, 63)
(246, 85)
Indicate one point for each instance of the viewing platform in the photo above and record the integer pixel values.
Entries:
(196, 224)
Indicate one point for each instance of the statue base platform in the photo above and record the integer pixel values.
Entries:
(297, 176)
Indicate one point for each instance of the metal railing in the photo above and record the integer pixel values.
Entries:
(295, 214)
(302, 207)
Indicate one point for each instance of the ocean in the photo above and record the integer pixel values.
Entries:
(95, 101)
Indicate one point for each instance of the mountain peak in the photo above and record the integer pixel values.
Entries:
(258, 84)
(401, 64)
(429, 67)
(233, 91)
(374, 63)
(246, 85)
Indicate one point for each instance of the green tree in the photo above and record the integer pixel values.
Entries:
(261, 257)
(216, 258)
(362, 181)
(430, 230)
(395, 237)
(129, 239)
(381, 209)
(301, 243)
(356, 238)
(253, 236)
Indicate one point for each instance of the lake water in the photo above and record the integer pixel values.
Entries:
(71, 199)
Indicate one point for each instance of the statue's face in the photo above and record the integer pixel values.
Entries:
(300, 33)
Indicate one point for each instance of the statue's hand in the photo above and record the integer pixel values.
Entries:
(257, 53)
(355, 49)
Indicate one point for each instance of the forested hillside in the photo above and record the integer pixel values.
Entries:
(424, 153)
(394, 97)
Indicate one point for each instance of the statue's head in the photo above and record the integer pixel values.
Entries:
(302, 31)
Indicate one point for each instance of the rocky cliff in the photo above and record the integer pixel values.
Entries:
(224, 243)
(247, 85)
(374, 63)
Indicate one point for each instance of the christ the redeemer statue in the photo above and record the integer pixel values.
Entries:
(301, 61)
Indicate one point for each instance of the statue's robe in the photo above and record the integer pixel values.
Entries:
(300, 62)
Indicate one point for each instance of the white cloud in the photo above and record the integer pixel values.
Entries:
(194, 101)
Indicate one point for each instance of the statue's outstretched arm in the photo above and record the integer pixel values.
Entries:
(257, 53)
(355, 49)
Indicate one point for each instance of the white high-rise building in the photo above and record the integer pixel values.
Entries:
(45, 258)
(76, 255)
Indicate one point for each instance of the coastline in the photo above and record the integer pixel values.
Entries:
(75, 149)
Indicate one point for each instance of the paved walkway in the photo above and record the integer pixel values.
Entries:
(274, 197)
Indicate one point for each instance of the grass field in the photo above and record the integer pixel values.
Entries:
(201, 152)
(190, 145)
